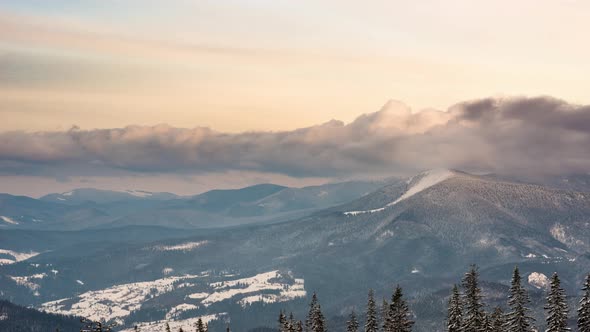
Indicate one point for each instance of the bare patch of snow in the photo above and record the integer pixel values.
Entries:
(538, 280)
(177, 310)
(9, 220)
(80, 282)
(385, 235)
(27, 281)
(187, 246)
(17, 256)
(558, 231)
(198, 295)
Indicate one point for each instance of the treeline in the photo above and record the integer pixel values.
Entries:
(16, 318)
(465, 312)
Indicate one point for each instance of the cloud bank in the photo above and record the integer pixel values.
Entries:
(516, 135)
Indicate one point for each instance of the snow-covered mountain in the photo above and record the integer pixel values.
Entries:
(86, 195)
(421, 232)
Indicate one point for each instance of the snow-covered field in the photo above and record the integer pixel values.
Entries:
(16, 256)
(261, 282)
(114, 302)
(117, 302)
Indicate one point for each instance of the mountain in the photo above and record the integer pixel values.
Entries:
(26, 212)
(85, 195)
(226, 200)
(422, 233)
(93, 209)
(15, 318)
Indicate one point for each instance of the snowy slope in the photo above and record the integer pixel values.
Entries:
(416, 184)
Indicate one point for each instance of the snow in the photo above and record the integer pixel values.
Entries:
(538, 280)
(3, 316)
(558, 231)
(423, 182)
(80, 282)
(415, 270)
(530, 255)
(264, 281)
(17, 256)
(26, 281)
(198, 295)
(117, 302)
(187, 246)
(177, 310)
(61, 199)
(426, 181)
(69, 193)
(113, 302)
(167, 271)
(9, 220)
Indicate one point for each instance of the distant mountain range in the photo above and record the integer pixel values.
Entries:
(421, 232)
(91, 208)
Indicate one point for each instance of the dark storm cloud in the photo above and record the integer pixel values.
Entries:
(510, 135)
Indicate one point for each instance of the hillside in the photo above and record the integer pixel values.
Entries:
(15, 318)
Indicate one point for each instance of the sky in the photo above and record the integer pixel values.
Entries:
(187, 95)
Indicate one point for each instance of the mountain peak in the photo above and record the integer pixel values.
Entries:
(424, 181)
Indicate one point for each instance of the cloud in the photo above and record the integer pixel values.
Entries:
(515, 135)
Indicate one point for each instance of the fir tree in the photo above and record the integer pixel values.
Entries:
(180, 330)
(556, 307)
(291, 323)
(282, 321)
(385, 315)
(315, 318)
(584, 309)
(473, 318)
(352, 325)
(498, 320)
(167, 327)
(371, 324)
(399, 313)
(200, 326)
(487, 323)
(299, 327)
(518, 319)
(455, 312)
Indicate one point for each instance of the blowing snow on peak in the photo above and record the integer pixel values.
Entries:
(415, 185)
